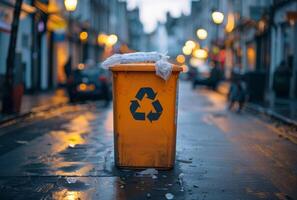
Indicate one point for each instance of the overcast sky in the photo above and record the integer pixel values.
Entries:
(152, 11)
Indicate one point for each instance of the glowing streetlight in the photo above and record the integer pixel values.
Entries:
(111, 40)
(83, 36)
(70, 5)
(230, 23)
(187, 50)
(190, 44)
(180, 59)
(200, 54)
(102, 39)
(201, 34)
(217, 17)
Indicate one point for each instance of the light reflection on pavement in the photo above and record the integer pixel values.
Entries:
(67, 153)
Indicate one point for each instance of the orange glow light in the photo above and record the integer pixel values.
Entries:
(200, 54)
(180, 59)
(102, 39)
(112, 40)
(230, 23)
(81, 66)
(82, 86)
(83, 36)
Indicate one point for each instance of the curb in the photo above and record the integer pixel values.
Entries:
(20, 116)
(271, 114)
(267, 112)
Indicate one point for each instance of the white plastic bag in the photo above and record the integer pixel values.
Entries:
(163, 67)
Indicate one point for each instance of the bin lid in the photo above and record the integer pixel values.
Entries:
(140, 67)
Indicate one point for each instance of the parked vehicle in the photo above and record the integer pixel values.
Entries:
(89, 83)
(208, 77)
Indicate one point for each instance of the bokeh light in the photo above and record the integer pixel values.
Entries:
(200, 54)
(201, 34)
(187, 50)
(102, 39)
(180, 59)
(70, 5)
(112, 40)
(217, 17)
(83, 36)
(191, 44)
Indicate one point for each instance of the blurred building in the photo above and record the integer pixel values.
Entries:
(283, 49)
(94, 17)
(150, 39)
(46, 30)
(136, 31)
(177, 30)
(257, 38)
(262, 44)
(28, 57)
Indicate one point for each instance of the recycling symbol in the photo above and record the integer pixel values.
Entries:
(153, 115)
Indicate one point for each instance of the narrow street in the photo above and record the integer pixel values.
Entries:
(67, 153)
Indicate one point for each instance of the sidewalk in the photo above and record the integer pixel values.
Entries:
(35, 102)
(284, 110)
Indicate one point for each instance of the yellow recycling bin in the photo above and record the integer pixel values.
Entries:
(145, 116)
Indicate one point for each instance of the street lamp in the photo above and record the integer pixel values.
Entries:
(102, 39)
(200, 53)
(217, 17)
(180, 59)
(201, 34)
(83, 36)
(70, 5)
(112, 40)
(190, 44)
(187, 50)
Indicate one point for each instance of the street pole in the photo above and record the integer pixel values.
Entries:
(69, 37)
(34, 64)
(293, 82)
(217, 33)
(7, 103)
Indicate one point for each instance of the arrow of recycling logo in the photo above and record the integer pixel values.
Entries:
(152, 115)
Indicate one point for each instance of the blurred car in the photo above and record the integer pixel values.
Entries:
(201, 72)
(89, 83)
(207, 76)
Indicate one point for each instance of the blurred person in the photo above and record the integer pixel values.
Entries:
(215, 76)
(237, 93)
(281, 79)
(68, 68)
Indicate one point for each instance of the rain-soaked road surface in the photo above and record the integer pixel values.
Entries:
(67, 153)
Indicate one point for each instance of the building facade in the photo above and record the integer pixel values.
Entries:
(258, 38)
(135, 31)
(48, 35)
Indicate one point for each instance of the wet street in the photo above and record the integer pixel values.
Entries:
(67, 153)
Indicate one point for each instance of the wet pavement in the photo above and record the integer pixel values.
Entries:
(36, 102)
(67, 153)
